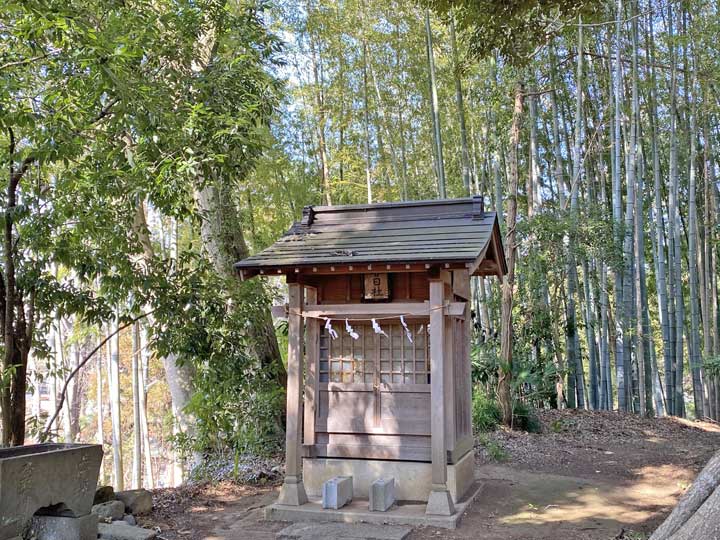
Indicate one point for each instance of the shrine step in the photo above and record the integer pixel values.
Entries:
(343, 531)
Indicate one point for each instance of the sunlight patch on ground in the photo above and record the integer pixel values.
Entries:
(556, 500)
(710, 427)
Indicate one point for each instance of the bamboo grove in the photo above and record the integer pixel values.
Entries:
(605, 135)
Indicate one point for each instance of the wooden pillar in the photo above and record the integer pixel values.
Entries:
(439, 501)
(449, 383)
(462, 382)
(312, 359)
(293, 490)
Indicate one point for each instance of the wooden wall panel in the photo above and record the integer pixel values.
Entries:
(405, 413)
(396, 447)
(346, 411)
(463, 390)
(334, 289)
(348, 288)
(419, 286)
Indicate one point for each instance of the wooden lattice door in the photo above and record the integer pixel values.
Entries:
(374, 392)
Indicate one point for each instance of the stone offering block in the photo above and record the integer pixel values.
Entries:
(57, 479)
(382, 494)
(337, 492)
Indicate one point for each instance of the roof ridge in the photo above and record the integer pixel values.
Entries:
(394, 204)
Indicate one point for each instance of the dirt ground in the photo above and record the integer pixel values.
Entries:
(587, 476)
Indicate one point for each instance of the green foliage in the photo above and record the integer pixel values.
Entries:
(514, 29)
(486, 413)
(712, 366)
(525, 418)
(237, 403)
(558, 426)
(493, 449)
(108, 108)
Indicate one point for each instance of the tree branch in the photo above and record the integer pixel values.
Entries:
(80, 365)
(23, 61)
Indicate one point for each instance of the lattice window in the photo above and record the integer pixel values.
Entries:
(356, 361)
(402, 361)
(345, 359)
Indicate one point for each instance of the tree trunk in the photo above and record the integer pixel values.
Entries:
(137, 429)
(643, 322)
(505, 371)
(695, 515)
(464, 151)
(574, 358)
(114, 378)
(320, 104)
(695, 361)
(180, 377)
(675, 236)
(629, 242)
(100, 436)
(435, 109)
(366, 108)
(617, 214)
(533, 184)
(142, 384)
(659, 242)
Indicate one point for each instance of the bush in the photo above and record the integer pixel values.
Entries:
(524, 418)
(486, 413)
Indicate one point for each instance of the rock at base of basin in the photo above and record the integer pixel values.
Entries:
(137, 501)
(111, 510)
(104, 494)
(65, 528)
(119, 530)
(129, 519)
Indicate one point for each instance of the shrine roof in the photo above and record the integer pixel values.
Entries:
(454, 233)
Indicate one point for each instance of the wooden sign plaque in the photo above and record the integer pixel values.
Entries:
(376, 287)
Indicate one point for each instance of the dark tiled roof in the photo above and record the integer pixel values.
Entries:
(440, 231)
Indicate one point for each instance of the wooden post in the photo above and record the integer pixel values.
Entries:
(293, 490)
(449, 382)
(312, 358)
(439, 501)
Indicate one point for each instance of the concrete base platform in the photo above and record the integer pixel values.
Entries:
(403, 513)
(343, 531)
(413, 480)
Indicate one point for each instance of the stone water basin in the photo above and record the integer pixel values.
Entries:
(46, 479)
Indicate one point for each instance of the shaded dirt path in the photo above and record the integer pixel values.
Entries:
(588, 476)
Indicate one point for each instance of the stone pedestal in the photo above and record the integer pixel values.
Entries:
(292, 492)
(440, 503)
(65, 528)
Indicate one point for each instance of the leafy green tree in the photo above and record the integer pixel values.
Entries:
(103, 110)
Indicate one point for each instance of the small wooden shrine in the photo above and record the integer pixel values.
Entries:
(379, 379)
